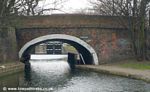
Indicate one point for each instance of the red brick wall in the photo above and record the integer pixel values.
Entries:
(105, 34)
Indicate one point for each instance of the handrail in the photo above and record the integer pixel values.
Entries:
(82, 59)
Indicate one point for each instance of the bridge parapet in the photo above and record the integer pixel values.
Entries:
(71, 20)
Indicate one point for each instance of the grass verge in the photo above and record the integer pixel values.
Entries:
(142, 65)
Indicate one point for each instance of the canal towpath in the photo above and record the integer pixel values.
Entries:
(120, 71)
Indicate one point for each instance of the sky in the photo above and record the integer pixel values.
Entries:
(70, 6)
(76, 5)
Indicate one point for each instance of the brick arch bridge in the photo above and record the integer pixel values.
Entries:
(86, 50)
(109, 39)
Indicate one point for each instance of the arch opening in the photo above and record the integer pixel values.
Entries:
(82, 47)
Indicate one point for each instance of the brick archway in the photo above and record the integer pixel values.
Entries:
(61, 37)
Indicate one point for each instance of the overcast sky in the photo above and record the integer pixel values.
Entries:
(76, 5)
(70, 6)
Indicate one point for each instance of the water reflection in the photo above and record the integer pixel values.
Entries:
(27, 71)
(48, 72)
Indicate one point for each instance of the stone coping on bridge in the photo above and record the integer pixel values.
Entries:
(125, 72)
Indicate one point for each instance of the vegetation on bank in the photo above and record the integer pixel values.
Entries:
(144, 65)
(69, 48)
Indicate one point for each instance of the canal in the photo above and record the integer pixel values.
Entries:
(56, 76)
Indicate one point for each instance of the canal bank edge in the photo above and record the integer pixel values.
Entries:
(12, 68)
(124, 72)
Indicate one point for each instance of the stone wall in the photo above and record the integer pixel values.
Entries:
(8, 45)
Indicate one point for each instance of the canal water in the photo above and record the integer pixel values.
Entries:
(56, 76)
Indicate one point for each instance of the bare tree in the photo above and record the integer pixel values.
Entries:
(6, 7)
(29, 7)
(136, 11)
(38, 7)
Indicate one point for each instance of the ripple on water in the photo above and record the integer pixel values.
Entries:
(57, 75)
(94, 82)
